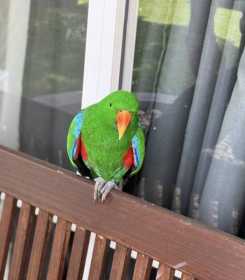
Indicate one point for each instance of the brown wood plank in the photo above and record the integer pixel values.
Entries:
(142, 268)
(168, 238)
(165, 273)
(65, 249)
(5, 231)
(101, 247)
(19, 252)
(120, 263)
(57, 253)
(38, 245)
(187, 277)
(78, 254)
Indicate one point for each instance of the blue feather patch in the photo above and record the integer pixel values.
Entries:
(135, 145)
(78, 119)
(74, 150)
(78, 122)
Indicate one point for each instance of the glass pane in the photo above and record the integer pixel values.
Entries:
(189, 77)
(41, 72)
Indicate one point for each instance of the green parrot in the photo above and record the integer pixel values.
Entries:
(107, 138)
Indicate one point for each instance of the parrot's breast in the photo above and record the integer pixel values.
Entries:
(109, 157)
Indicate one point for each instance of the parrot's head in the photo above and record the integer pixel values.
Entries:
(121, 109)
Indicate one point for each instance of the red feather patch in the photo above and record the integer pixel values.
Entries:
(128, 159)
(78, 147)
(83, 151)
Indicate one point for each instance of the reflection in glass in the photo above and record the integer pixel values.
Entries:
(186, 63)
(41, 70)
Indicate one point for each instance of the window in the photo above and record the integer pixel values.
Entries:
(188, 74)
(41, 74)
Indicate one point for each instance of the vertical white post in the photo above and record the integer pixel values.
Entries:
(131, 29)
(103, 49)
(17, 35)
(4, 10)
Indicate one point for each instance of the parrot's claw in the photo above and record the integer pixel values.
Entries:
(99, 183)
(108, 186)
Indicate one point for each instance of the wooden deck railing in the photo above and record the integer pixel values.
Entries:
(44, 250)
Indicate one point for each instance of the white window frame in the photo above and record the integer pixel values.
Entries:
(16, 45)
(107, 56)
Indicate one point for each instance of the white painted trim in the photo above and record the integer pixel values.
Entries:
(130, 40)
(103, 49)
(18, 22)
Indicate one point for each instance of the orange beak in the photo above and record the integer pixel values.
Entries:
(123, 119)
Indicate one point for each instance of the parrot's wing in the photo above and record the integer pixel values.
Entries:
(138, 145)
(74, 137)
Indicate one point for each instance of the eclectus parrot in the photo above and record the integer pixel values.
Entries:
(107, 137)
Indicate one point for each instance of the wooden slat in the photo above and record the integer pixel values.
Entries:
(57, 253)
(97, 268)
(65, 250)
(120, 263)
(142, 268)
(78, 254)
(47, 249)
(165, 273)
(20, 242)
(169, 238)
(38, 245)
(5, 231)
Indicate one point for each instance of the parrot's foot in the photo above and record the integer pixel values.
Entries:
(99, 183)
(103, 188)
(106, 189)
